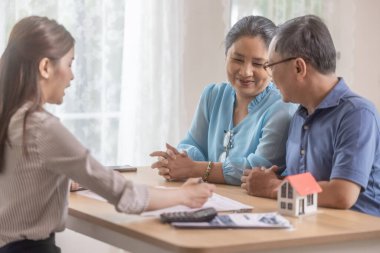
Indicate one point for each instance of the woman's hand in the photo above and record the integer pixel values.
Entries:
(172, 164)
(195, 193)
(74, 186)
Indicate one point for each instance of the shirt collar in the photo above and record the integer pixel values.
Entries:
(333, 98)
(259, 97)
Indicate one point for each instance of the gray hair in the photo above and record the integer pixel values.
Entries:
(251, 26)
(309, 38)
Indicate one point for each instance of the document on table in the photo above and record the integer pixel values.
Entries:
(240, 220)
(220, 203)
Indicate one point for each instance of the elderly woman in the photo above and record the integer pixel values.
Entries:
(239, 124)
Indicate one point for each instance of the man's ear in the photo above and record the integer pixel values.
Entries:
(301, 67)
(44, 68)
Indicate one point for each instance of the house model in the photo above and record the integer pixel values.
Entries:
(298, 195)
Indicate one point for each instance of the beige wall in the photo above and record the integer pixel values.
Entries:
(355, 29)
(367, 50)
(203, 57)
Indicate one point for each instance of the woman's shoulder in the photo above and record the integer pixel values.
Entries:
(213, 94)
(42, 117)
(34, 126)
(33, 117)
(223, 86)
(215, 90)
(49, 129)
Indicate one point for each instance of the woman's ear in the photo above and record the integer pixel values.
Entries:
(44, 68)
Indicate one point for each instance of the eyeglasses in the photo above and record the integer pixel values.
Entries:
(227, 145)
(269, 66)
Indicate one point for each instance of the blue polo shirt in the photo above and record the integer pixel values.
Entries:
(340, 140)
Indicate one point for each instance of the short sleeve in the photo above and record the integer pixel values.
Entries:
(355, 147)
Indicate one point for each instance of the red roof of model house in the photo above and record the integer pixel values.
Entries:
(304, 183)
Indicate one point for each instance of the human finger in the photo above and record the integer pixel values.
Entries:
(210, 187)
(274, 168)
(170, 147)
(184, 153)
(171, 154)
(74, 186)
(159, 164)
(191, 181)
(163, 171)
(162, 160)
(246, 172)
(159, 153)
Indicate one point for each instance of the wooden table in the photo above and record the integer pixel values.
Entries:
(329, 230)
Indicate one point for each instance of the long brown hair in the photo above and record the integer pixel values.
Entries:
(32, 39)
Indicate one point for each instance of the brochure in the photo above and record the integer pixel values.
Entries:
(240, 220)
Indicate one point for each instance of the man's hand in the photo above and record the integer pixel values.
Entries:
(261, 182)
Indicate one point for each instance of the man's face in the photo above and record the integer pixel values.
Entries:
(283, 74)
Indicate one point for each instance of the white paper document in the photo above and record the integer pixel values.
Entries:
(220, 203)
(240, 220)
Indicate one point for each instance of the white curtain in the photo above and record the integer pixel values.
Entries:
(151, 96)
(277, 10)
(125, 99)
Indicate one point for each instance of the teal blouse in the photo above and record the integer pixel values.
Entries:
(258, 140)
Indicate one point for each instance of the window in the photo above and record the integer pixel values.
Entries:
(277, 11)
(301, 206)
(283, 205)
(127, 72)
(290, 191)
(290, 206)
(310, 199)
(283, 190)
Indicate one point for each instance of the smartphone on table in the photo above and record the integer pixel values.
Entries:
(122, 168)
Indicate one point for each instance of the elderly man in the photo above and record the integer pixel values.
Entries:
(334, 134)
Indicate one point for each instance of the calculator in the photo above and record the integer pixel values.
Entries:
(202, 215)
